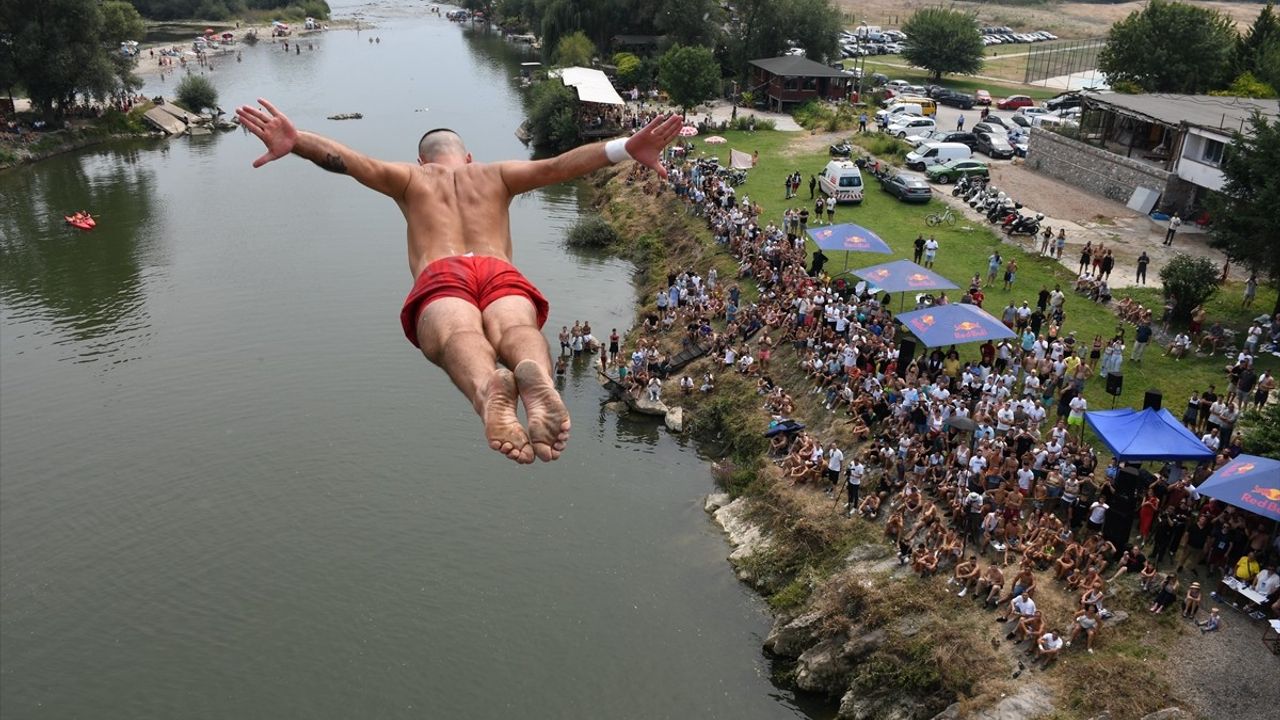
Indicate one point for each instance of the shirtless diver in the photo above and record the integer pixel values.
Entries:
(470, 308)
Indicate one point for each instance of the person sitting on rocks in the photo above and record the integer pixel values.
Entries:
(1191, 604)
(1047, 648)
(1028, 628)
(1086, 622)
(870, 507)
(1022, 606)
(966, 575)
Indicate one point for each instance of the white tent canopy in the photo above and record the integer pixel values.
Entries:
(593, 86)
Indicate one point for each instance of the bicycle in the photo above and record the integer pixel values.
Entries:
(935, 219)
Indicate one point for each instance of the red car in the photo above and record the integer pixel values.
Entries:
(1013, 102)
(982, 97)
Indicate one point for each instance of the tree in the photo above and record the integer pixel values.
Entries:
(765, 27)
(689, 22)
(1171, 47)
(196, 93)
(551, 116)
(689, 74)
(1189, 280)
(57, 50)
(1246, 85)
(1244, 211)
(574, 49)
(629, 68)
(1262, 35)
(943, 41)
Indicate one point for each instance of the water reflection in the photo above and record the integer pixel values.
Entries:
(88, 285)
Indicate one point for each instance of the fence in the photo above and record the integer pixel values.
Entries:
(1067, 57)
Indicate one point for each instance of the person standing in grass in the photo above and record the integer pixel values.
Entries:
(1143, 262)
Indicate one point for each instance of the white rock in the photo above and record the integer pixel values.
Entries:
(674, 419)
(715, 501)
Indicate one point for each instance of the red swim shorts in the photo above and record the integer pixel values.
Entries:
(478, 279)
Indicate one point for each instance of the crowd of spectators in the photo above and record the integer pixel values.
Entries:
(975, 464)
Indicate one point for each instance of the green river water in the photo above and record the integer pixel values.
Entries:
(229, 488)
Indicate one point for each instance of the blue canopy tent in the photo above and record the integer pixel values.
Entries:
(1248, 482)
(1144, 435)
(954, 324)
(901, 276)
(848, 238)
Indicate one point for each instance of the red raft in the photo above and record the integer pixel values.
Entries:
(81, 220)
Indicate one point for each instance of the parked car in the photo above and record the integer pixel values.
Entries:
(1030, 111)
(1022, 121)
(1013, 102)
(994, 145)
(898, 85)
(944, 136)
(964, 101)
(908, 188)
(957, 169)
(1065, 100)
(982, 97)
(911, 126)
(987, 127)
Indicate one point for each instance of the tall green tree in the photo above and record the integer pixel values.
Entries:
(688, 22)
(1171, 47)
(1244, 212)
(58, 50)
(574, 49)
(1189, 280)
(943, 41)
(765, 27)
(690, 75)
(1258, 51)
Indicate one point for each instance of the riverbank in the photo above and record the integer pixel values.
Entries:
(30, 147)
(852, 623)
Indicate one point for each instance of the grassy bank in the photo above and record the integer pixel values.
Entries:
(896, 68)
(33, 147)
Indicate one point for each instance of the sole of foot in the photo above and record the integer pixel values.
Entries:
(501, 425)
(548, 417)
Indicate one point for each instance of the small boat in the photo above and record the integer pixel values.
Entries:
(81, 220)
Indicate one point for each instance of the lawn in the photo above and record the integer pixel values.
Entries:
(965, 249)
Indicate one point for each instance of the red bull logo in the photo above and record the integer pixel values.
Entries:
(1264, 500)
(824, 234)
(968, 329)
(1242, 468)
(918, 280)
(923, 322)
(856, 241)
(879, 274)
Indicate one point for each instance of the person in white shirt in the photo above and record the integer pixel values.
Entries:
(1210, 439)
(1020, 607)
(835, 461)
(853, 481)
(1267, 581)
(1097, 513)
(930, 252)
(1048, 647)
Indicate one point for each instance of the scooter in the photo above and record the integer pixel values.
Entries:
(1024, 225)
(842, 149)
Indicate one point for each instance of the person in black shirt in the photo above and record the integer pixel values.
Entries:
(919, 249)
(819, 260)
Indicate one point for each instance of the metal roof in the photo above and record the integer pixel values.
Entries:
(593, 86)
(1224, 114)
(796, 66)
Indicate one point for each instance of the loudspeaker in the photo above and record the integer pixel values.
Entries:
(1117, 525)
(1130, 485)
(906, 351)
(1115, 381)
(1153, 399)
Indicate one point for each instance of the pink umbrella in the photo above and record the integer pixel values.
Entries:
(715, 140)
(688, 131)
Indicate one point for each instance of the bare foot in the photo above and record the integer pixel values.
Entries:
(548, 417)
(501, 425)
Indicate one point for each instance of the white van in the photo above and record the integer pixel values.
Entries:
(937, 153)
(842, 180)
(896, 110)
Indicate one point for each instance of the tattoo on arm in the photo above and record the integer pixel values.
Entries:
(333, 163)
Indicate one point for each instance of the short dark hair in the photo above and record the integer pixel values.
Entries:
(445, 140)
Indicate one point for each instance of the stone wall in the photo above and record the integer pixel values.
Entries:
(1093, 169)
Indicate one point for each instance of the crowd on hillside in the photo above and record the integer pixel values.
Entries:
(1014, 503)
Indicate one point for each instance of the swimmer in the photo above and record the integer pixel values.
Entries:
(469, 307)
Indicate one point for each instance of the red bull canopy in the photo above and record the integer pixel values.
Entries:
(849, 238)
(954, 324)
(1248, 482)
(903, 275)
(1142, 435)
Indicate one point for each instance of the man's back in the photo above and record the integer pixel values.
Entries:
(454, 211)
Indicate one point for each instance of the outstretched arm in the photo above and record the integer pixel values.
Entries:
(281, 138)
(644, 147)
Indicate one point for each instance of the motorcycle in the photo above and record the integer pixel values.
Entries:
(843, 149)
(1024, 225)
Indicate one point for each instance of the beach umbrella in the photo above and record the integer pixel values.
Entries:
(688, 131)
(715, 140)
(1249, 482)
(954, 324)
(848, 238)
(903, 275)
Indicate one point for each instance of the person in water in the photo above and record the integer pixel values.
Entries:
(470, 307)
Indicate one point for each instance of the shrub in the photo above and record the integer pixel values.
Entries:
(196, 93)
(885, 147)
(748, 122)
(592, 231)
(1189, 280)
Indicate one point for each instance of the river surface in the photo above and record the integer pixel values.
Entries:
(229, 488)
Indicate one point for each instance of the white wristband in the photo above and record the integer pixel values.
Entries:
(616, 150)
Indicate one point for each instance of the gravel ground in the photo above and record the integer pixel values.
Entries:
(1230, 673)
